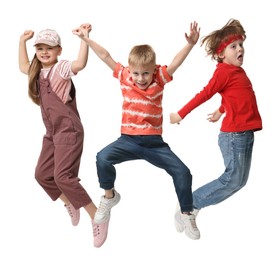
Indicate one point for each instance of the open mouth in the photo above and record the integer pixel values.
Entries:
(240, 57)
(142, 86)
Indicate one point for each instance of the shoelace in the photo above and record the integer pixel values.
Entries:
(102, 207)
(193, 222)
(96, 230)
(69, 211)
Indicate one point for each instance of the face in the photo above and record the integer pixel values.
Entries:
(142, 76)
(233, 53)
(47, 55)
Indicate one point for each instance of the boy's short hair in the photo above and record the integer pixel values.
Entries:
(142, 55)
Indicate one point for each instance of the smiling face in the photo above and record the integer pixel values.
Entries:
(142, 76)
(233, 54)
(47, 55)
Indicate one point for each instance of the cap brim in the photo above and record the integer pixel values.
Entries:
(46, 42)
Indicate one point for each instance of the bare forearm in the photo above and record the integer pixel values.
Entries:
(179, 59)
(82, 59)
(101, 52)
(23, 60)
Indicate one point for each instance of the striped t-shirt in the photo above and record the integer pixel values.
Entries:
(142, 109)
(60, 77)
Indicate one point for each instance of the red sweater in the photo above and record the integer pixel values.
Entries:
(238, 99)
(142, 109)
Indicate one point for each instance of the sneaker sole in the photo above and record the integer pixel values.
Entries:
(189, 234)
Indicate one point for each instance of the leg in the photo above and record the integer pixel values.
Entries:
(159, 154)
(236, 150)
(67, 161)
(123, 149)
(44, 172)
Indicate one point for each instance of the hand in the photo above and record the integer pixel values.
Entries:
(194, 35)
(175, 118)
(86, 27)
(215, 116)
(27, 35)
(83, 30)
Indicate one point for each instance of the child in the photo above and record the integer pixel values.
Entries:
(142, 85)
(242, 117)
(51, 87)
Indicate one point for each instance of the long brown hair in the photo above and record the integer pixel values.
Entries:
(33, 73)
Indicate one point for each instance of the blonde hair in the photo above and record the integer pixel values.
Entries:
(216, 38)
(142, 55)
(33, 74)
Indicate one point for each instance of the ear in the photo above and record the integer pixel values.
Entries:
(155, 70)
(221, 56)
(60, 51)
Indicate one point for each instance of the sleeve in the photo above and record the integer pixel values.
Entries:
(222, 109)
(118, 71)
(164, 77)
(64, 68)
(215, 85)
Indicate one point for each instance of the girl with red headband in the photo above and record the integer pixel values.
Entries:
(241, 119)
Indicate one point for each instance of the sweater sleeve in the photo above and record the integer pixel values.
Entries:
(215, 85)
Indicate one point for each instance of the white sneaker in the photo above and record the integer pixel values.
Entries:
(102, 214)
(187, 223)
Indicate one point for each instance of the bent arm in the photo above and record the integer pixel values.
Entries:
(101, 52)
(81, 61)
(181, 56)
(23, 59)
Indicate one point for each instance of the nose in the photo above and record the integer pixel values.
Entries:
(141, 77)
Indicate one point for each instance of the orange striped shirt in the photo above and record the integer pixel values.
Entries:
(142, 112)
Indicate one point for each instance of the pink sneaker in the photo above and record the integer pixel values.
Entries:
(100, 232)
(74, 214)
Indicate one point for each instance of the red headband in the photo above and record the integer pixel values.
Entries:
(231, 39)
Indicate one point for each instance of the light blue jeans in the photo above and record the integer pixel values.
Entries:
(236, 148)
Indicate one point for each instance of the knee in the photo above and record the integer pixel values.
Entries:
(235, 186)
(39, 177)
(102, 157)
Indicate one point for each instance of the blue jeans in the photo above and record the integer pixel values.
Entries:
(154, 150)
(236, 148)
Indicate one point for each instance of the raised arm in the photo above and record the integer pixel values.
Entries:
(191, 39)
(101, 52)
(80, 63)
(23, 59)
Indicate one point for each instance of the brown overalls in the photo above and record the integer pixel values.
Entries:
(59, 161)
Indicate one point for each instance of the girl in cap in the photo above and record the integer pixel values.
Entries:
(51, 87)
(241, 120)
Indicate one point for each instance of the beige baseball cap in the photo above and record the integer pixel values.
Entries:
(49, 37)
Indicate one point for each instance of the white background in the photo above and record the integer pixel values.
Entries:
(141, 227)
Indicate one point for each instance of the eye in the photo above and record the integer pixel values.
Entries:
(146, 73)
(135, 74)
